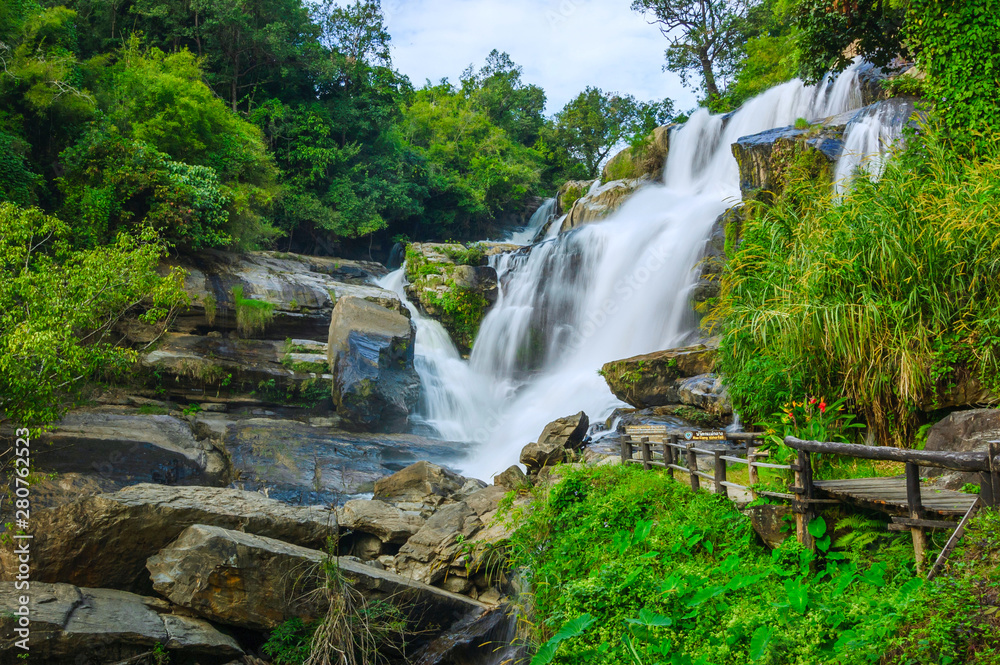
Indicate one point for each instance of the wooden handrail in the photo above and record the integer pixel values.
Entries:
(940, 459)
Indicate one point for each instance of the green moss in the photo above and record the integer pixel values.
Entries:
(252, 316)
(802, 123)
(571, 195)
(463, 310)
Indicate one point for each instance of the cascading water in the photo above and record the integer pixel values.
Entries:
(538, 219)
(602, 292)
(868, 138)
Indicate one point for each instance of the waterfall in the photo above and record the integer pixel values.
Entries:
(868, 138)
(538, 219)
(601, 292)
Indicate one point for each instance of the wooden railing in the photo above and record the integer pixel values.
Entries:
(679, 451)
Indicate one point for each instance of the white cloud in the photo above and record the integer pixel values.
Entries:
(563, 45)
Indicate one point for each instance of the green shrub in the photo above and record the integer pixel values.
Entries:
(861, 298)
(252, 316)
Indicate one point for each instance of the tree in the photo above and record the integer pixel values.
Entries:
(59, 309)
(511, 104)
(706, 36)
(596, 122)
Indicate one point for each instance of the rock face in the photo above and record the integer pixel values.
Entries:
(118, 448)
(370, 351)
(197, 368)
(647, 160)
(72, 625)
(104, 540)
(256, 582)
(655, 379)
(453, 284)
(298, 287)
(428, 555)
(384, 521)
(769, 523)
(961, 431)
(558, 437)
(419, 486)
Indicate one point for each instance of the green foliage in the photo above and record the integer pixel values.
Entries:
(958, 47)
(288, 644)
(860, 297)
(673, 576)
(58, 308)
(464, 310)
(252, 315)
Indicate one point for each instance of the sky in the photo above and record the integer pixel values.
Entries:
(563, 45)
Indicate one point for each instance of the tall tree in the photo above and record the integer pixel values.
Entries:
(706, 36)
(511, 104)
(595, 122)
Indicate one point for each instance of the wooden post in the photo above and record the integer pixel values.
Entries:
(627, 448)
(622, 442)
(993, 450)
(668, 453)
(801, 505)
(752, 469)
(916, 509)
(693, 466)
(646, 453)
(720, 474)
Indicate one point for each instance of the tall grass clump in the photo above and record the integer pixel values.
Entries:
(252, 316)
(889, 297)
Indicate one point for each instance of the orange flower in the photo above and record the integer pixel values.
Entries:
(822, 407)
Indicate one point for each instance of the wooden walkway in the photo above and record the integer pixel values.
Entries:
(888, 495)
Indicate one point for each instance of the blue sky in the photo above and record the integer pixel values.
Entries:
(563, 45)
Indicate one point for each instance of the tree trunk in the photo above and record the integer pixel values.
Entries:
(706, 70)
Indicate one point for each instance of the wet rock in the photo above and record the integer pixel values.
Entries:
(769, 522)
(484, 638)
(72, 626)
(536, 456)
(871, 78)
(961, 431)
(427, 556)
(419, 486)
(104, 540)
(764, 159)
(370, 351)
(511, 479)
(706, 392)
(568, 431)
(653, 379)
(570, 192)
(385, 521)
(257, 582)
(310, 463)
(453, 284)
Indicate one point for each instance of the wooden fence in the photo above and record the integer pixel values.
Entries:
(910, 506)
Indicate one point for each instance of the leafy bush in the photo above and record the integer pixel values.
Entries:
(864, 296)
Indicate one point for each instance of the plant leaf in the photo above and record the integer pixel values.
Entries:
(570, 629)
(758, 643)
(817, 527)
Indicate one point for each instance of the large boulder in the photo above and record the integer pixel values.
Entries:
(453, 284)
(428, 556)
(646, 160)
(72, 626)
(962, 432)
(600, 202)
(560, 436)
(420, 486)
(765, 159)
(652, 379)
(257, 582)
(384, 521)
(104, 540)
(370, 351)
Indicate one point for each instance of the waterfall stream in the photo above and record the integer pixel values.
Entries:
(604, 291)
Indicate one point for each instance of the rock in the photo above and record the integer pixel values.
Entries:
(72, 625)
(958, 389)
(600, 202)
(570, 192)
(257, 582)
(871, 77)
(387, 522)
(511, 479)
(764, 158)
(647, 160)
(652, 379)
(303, 464)
(537, 456)
(488, 499)
(419, 486)
(299, 288)
(104, 540)
(961, 431)
(475, 640)
(706, 392)
(195, 368)
(568, 431)
(453, 284)
(769, 523)
(427, 556)
(370, 351)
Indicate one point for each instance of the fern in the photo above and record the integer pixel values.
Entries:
(862, 533)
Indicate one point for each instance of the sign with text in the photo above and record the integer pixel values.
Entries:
(645, 430)
(705, 435)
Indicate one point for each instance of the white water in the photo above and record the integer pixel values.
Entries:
(602, 292)
(868, 140)
(535, 224)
